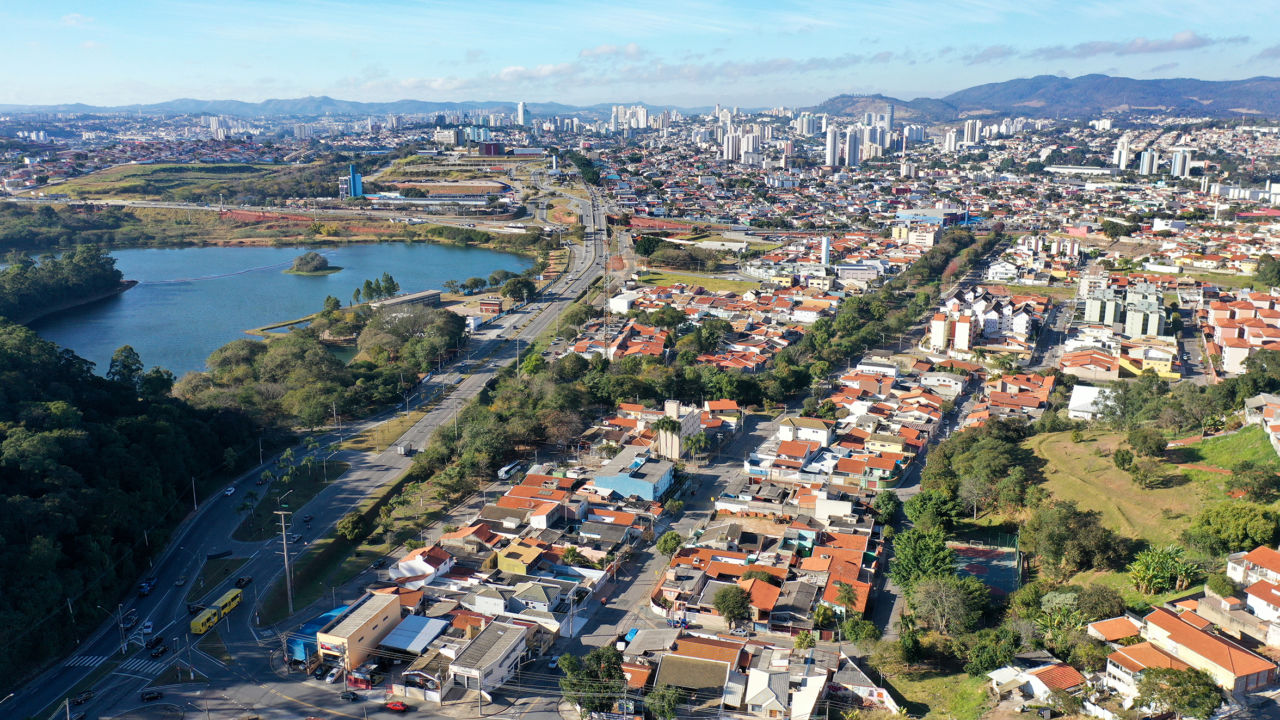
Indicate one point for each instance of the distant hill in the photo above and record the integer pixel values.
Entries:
(310, 107)
(1054, 96)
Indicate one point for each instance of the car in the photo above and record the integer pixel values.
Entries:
(149, 695)
(229, 491)
(740, 632)
(129, 619)
(333, 675)
(350, 696)
(380, 563)
(308, 518)
(554, 663)
(243, 581)
(159, 652)
(319, 672)
(182, 580)
(153, 642)
(295, 538)
(83, 697)
(145, 587)
(396, 706)
(147, 627)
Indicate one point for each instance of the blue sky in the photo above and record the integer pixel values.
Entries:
(574, 51)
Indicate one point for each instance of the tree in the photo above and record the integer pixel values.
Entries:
(696, 444)
(1122, 458)
(472, 284)
(670, 542)
(920, 554)
(125, 367)
(804, 640)
(733, 604)
(664, 701)
(760, 575)
(1098, 602)
(990, 649)
(859, 630)
(518, 288)
(497, 277)
(886, 504)
(847, 598)
(595, 681)
(1148, 441)
(931, 509)
(1258, 481)
(1157, 570)
(332, 304)
(1067, 540)
(309, 262)
(1186, 693)
(351, 527)
(949, 604)
(823, 616)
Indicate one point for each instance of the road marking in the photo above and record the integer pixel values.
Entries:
(86, 661)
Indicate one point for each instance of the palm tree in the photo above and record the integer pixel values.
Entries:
(571, 556)
(847, 597)
(667, 424)
(822, 616)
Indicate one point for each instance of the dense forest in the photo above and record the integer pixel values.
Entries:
(87, 466)
(28, 286)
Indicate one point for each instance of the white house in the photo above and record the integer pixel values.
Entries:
(1087, 402)
(420, 567)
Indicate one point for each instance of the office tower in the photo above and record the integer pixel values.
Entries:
(1147, 162)
(832, 157)
(520, 113)
(852, 146)
(351, 185)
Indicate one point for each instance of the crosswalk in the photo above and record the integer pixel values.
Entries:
(141, 666)
(87, 660)
(136, 665)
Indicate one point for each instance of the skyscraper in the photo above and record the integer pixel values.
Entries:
(950, 142)
(833, 157)
(852, 146)
(520, 113)
(732, 147)
(1147, 162)
(1121, 156)
(1180, 163)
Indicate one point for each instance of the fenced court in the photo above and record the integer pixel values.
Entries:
(999, 567)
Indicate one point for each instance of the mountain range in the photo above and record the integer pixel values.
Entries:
(1087, 95)
(1039, 96)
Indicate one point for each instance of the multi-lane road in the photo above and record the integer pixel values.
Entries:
(209, 529)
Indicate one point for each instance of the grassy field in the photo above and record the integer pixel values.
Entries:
(1084, 473)
(1122, 584)
(1225, 451)
(152, 181)
(663, 277)
(940, 695)
(1223, 280)
(380, 437)
(263, 523)
(213, 572)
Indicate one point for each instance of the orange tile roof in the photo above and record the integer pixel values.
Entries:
(708, 649)
(1137, 658)
(1264, 557)
(1217, 650)
(1115, 628)
(764, 595)
(1059, 677)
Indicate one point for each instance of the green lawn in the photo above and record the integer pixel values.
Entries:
(262, 522)
(1224, 280)
(1073, 471)
(664, 277)
(152, 181)
(1226, 451)
(940, 695)
(213, 572)
(1121, 583)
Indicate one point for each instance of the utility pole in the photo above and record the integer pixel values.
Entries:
(195, 499)
(284, 541)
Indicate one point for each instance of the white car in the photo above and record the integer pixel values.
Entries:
(147, 627)
(332, 677)
(229, 491)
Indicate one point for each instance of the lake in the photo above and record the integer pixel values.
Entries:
(191, 301)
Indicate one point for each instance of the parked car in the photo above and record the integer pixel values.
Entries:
(243, 581)
(350, 696)
(555, 662)
(319, 672)
(160, 651)
(149, 695)
(333, 676)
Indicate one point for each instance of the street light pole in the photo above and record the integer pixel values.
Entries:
(284, 541)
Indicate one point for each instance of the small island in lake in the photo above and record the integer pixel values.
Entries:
(312, 263)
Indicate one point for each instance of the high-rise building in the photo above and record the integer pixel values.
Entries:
(731, 148)
(1121, 156)
(351, 185)
(832, 156)
(826, 250)
(520, 113)
(1180, 163)
(950, 142)
(1147, 162)
(852, 146)
(972, 130)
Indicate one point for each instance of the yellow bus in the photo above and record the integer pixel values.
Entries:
(201, 623)
(228, 601)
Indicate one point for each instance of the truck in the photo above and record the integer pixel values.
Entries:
(406, 449)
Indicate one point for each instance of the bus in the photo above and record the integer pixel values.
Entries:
(509, 470)
(209, 617)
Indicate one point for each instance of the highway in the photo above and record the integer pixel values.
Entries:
(209, 529)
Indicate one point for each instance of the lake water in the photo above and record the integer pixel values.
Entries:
(191, 301)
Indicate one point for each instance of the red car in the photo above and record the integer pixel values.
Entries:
(396, 706)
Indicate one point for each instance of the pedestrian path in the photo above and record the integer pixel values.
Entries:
(86, 660)
(141, 666)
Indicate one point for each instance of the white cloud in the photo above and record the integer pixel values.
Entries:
(1185, 40)
(74, 19)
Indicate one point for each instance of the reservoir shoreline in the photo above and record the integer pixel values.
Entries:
(74, 303)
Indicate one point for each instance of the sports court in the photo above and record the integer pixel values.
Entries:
(999, 568)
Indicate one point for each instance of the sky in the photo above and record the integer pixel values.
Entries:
(581, 52)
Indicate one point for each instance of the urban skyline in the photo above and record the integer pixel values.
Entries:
(751, 54)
